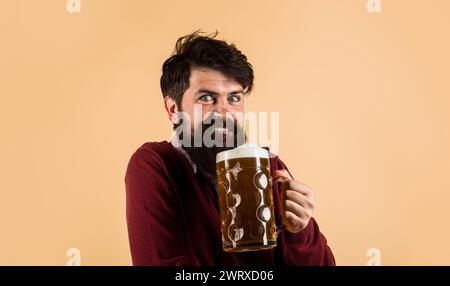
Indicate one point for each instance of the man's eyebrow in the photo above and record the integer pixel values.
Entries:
(203, 90)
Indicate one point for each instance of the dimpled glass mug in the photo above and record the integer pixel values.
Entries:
(244, 186)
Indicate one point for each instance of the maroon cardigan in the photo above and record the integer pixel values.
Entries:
(173, 219)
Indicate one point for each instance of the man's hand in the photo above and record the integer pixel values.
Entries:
(297, 202)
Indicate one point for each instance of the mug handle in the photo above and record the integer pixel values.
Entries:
(279, 229)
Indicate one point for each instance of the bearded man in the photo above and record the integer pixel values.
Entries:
(171, 195)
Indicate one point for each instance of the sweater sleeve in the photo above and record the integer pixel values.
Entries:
(154, 224)
(308, 247)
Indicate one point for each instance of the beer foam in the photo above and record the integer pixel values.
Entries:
(243, 151)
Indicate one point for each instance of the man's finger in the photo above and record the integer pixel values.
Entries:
(281, 173)
(299, 198)
(298, 187)
(290, 218)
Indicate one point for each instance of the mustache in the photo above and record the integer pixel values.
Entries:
(213, 131)
(219, 129)
(219, 122)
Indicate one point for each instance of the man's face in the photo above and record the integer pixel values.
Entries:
(214, 91)
(218, 96)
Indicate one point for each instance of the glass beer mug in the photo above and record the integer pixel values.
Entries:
(244, 186)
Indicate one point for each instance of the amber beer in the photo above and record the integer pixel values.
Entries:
(244, 185)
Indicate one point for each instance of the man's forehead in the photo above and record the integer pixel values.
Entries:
(204, 78)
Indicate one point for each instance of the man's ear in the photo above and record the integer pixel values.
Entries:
(171, 106)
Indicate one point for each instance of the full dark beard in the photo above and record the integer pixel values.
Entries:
(205, 157)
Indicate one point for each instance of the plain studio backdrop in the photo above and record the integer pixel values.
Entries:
(363, 98)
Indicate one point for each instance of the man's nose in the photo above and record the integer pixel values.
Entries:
(222, 107)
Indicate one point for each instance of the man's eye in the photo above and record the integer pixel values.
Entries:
(205, 98)
(234, 98)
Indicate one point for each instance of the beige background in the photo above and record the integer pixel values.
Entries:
(364, 102)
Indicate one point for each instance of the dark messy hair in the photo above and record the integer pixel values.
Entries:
(204, 51)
